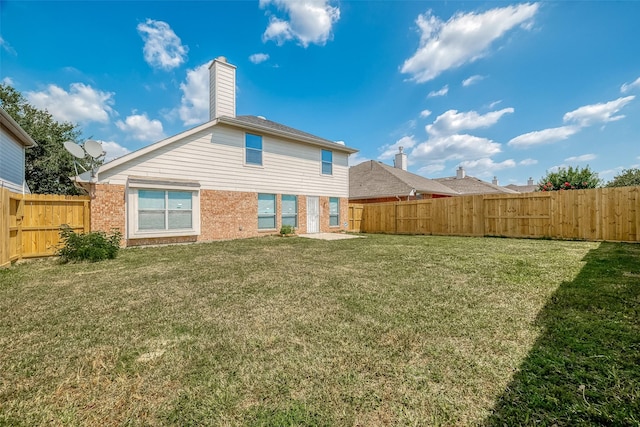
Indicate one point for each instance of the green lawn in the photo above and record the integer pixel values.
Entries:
(385, 330)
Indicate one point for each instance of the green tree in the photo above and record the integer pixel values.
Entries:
(47, 166)
(569, 179)
(626, 178)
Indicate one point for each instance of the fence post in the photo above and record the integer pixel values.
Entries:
(5, 233)
(86, 212)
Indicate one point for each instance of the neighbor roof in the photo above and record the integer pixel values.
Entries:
(472, 185)
(522, 188)
(373, 179)
(21, 135)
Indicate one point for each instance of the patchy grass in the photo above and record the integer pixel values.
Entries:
(387, 330)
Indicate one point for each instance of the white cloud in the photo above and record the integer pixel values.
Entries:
(582, 158)
(194, 104)
(113, 150)
(597, 113)
(486, 166)
(628, 86)
(7, 81)
(81, 104)
(464, 38)
(431, 168)
(472, 80)
(545, 136)
(389, 151)
(454, 147)
(162, 47)
(141, 128)
(452, 121)
(310, 21)
(425, 113)
(441, 92)
(528, 162)
(257, 58)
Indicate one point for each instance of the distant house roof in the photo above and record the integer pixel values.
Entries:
(13, 127)
(522, 188)
(372, 179)
(472, 185)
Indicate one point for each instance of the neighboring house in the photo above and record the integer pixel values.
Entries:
(13, 141)
(529, 188)
(468, 185)
(372, 182)
(232, 177)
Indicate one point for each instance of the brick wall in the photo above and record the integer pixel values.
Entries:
(223, 215)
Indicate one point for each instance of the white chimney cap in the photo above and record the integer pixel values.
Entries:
(221, 59)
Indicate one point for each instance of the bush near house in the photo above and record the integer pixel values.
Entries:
(94, 246)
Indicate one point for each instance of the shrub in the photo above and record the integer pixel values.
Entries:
(287, 229)
(94, 246)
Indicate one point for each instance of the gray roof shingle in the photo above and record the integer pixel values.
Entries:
(373, 179)
(473, 185)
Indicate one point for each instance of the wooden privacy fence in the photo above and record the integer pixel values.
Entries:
(599, 214)
(30, 223)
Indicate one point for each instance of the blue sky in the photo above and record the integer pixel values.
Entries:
(504, 89)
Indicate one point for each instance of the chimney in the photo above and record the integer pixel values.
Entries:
(222, 89)
(401, 160)
(494, 181)
(460, 174)
(530, 181)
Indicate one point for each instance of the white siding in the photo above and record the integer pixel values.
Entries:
(215, 158)
(11, 163)
(222, 90)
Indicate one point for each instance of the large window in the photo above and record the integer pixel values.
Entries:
(327, 162)
(253, 149)
(160, 210)
(334, 211)
(266, 211)
(290, 210)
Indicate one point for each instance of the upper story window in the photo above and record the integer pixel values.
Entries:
(327, 162)
(253, 149)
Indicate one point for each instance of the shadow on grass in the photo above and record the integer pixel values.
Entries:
(585, 367)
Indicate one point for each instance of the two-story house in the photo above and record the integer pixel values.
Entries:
(231, 177)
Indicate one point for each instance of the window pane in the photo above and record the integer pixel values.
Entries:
(253, 156)
(179, 219)
(290, 220)
(253, 141)
(179, 200)
(151, 220)
(289, 205)
(327, 156)
(333, 206)
(267, 222)
(327, 169)
(150, 199)
(266, 204)
(333, 221)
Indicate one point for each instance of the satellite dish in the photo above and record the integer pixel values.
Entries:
(93, 148)
(74, 149)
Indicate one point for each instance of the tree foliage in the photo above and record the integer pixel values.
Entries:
(626, 178)
(47, 166)
(569, 179)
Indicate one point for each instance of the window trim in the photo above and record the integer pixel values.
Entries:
(323, 162)
(247, 149)
(136, 184)
(275, 212)
(337, 216)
